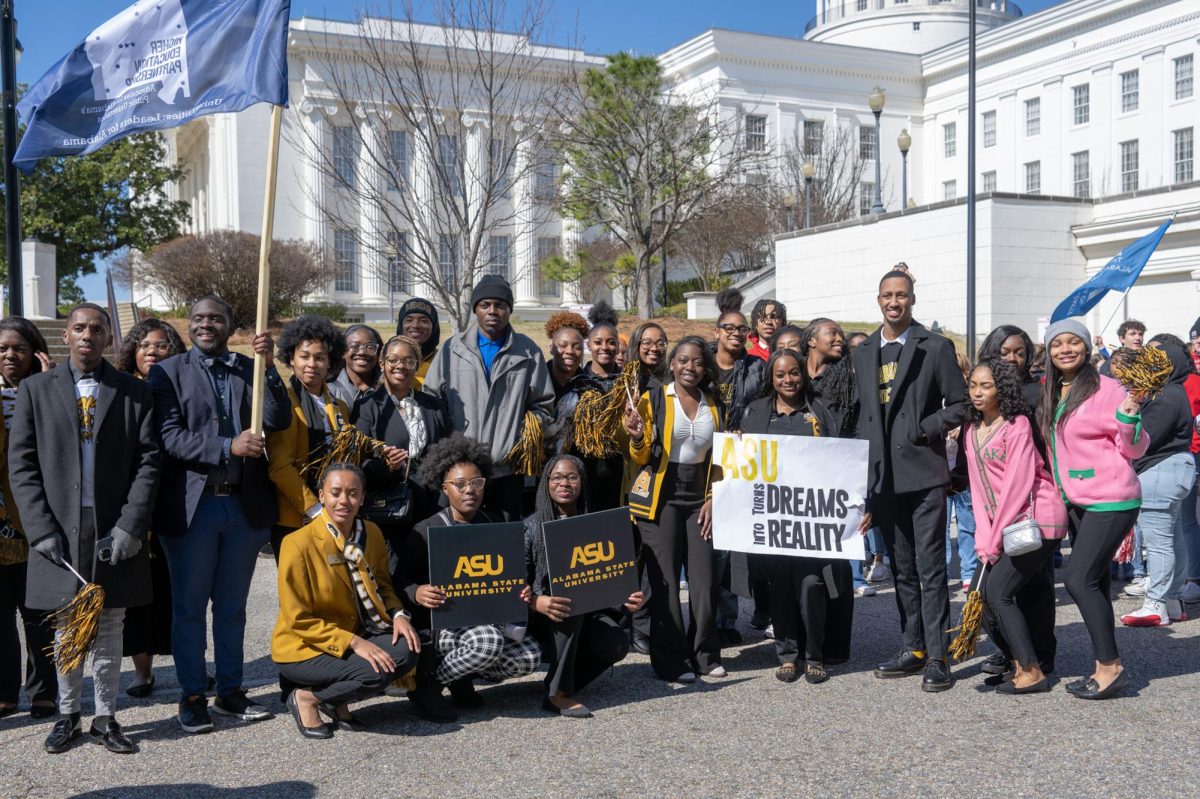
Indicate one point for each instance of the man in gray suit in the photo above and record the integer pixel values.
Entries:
(83, 459)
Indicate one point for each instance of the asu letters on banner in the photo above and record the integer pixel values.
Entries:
(789, 495)
(481, 567)
(592, 559)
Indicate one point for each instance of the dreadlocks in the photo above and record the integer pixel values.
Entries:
(836, 385)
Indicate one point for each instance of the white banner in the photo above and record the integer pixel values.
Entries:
(789, 495)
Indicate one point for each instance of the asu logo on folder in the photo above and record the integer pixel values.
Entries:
(479, 566)
(591, 554)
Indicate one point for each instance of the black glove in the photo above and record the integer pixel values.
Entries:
(51, 548)
(124, 546)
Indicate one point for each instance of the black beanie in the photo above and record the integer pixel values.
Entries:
(492, 287)
(422, 306)
(1195, 331)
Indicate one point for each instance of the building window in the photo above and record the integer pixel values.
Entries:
(500, 166)
(1129, 91)
(949, 189)
(949, 139)
(989, 128)
(449, 164)
(866, 142)
(1081, 174)
(547, 246)
(814, 135)
(989, 181)
(1081, 104)
(398, 168)
(1033, 177)
(1183, 77)
(861, 5)
(545, 179)
(345, 152)
(399, 275)
(448, 266)
(1129, 165)
(1033, 116)
(500, 253)
(345, 257)
(866, 197)
(756, 133)
(1184, 150)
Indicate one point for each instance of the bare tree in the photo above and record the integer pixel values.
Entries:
(447, 120)
(839, 171)
(734, 235)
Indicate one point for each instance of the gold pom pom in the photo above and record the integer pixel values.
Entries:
(349, 445)
(528, 456)
(598, 428)
(77, 624)
(1144, 372)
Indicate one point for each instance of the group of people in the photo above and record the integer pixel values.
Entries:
(145, 477)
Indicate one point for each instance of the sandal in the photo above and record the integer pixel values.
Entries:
(815, 673)
(787, 673)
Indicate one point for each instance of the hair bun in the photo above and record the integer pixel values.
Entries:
(729, 300)
(603, 314)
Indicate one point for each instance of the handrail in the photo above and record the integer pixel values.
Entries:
(113, 314)
(838, 10)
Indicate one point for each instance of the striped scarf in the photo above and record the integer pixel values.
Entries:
(370, 607)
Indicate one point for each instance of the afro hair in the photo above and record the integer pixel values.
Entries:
(603, 314)
(729, 300)
(566, 319)
(311, 327)
(450, 452)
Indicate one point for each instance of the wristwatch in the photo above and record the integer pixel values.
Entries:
(402, 613)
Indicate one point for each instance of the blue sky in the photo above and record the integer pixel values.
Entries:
(48, 30)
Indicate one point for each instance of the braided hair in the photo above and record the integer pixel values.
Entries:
(544, 509)
(837, 383)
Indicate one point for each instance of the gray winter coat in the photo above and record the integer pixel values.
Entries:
(494, 411)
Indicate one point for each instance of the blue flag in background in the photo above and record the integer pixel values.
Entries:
(158, 64)
(1119, 274)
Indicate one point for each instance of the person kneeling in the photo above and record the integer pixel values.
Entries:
(460, 466)
(342, 634)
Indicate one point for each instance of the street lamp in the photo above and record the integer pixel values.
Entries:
(904, 141)
(876, 101)
(10, 53)
(789, 205)
(808, 170)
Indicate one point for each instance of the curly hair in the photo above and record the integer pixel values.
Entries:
(449, 452)
(729, 301)
(311, 327)
(127, 356)
(603, 315)
(709, 379)
(761, 307)
(566, 319)
(1010, 397)
(28, 331)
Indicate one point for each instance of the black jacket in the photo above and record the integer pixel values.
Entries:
(1167, 418)
(747, 382)
(379, 418)
(929, 398)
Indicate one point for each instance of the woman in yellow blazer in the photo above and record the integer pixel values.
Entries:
(670, 445)
(342, 634)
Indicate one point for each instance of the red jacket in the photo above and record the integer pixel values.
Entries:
(1191, 385)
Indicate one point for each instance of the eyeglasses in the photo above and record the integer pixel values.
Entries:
(732, 329)
(155, 346)
(461, 485)
(409, 363)
(559, 479)
(369, 349)
(648, 344)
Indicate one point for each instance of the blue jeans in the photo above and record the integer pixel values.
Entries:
(213, 561)
(959, 505)
(1191, 530)
(1164, 487)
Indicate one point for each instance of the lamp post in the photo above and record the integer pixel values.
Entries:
(904, 142)
(808, 170)
(876, 101)
(10, 51)
(789, 207)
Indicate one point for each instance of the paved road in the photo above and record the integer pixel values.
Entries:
(746, 735)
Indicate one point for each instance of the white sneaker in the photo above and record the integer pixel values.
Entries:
(1137, 586)
(878, 572)
(718, 672)
(1191, 592)
(1175, 611)
(865, 590)
(1151, 614)
(769, 632)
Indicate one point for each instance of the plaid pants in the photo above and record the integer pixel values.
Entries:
(485, 651)
(106, 668)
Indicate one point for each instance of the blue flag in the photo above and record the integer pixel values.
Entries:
(1119, 274)
(158, 64)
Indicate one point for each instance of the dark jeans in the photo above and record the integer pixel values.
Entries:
(1095, 538)
(349, 679)
(41, 681)
(914, 529)
(799, 599)
(669, 542)
(580, 649)
(1010, 622)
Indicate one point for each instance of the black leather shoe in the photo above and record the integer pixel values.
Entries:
(1075, 686)
(997, 679)
(996, 664)
(65, 731)
(142, 690)
(464, 695)
(641, 644)
(1040, 687)
(903, 665)
(321, 731)
(351, 724)
(1093, 691)
(431, 705)
(937, 676)
(112, 739)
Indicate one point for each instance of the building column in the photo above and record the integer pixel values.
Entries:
(422, 189)
(475, 171)
(373, 264)
(525, 271)
(572, 238)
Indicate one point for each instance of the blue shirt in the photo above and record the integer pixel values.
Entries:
(489, 350)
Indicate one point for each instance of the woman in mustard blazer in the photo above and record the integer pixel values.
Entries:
(342, 634)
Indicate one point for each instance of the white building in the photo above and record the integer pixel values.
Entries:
(1085, 140)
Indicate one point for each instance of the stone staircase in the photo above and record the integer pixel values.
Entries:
(127, 314)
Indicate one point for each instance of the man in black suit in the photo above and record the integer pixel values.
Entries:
(84, 465)
(911, 393)
(216, 504)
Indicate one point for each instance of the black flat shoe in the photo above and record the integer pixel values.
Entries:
(998, 679)
(937, 676)
(577, 712)
(352, 724)
(641, 645)
(42, 711)
(464, 695)
(903, 665)
(65, 731)
(996, 664)
(1093, 691)
(1075, 686)
(1042, 686)
(321, 731)
(112, 739)
(141, 691)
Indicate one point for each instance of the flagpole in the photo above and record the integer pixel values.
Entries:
(264, 269)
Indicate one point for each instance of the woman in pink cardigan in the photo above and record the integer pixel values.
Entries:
(1093, 430)
(1010, 480)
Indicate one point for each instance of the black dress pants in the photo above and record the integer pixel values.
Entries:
(914, 529)
(41, 680)
(1095, 538)
(799, 601)
(581, 649)
(351, 678)
(1037, 602)
(1009, 623)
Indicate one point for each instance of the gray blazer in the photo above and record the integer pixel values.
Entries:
(44, 467)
